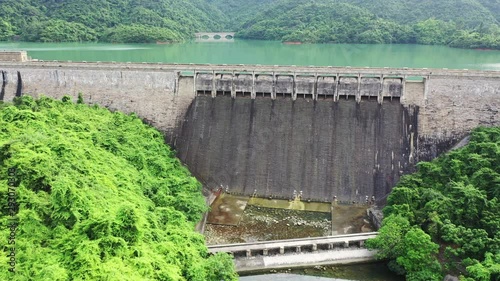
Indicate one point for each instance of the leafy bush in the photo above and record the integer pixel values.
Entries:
(455, 200)
(101, 197)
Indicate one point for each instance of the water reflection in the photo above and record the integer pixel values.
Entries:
(269, 53)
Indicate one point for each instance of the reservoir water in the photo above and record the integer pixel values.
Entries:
(267, 52)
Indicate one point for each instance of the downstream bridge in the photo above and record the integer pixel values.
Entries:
(277, 254)
(271, 130)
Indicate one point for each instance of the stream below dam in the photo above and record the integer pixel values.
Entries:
(242, 219)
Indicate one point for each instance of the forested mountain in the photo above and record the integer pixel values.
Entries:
(493, 6)
(107, 20)
(457, 23)
(461, 23)
(470, 13)
(465, 12)
(238, 11)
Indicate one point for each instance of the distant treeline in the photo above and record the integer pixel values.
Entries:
(138, 21)
(453, 23)
(456, 23)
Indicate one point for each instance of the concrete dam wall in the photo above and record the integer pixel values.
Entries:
(273, 130)
(319, 149)
(153, 94)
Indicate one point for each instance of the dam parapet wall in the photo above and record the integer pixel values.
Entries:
(14, 56)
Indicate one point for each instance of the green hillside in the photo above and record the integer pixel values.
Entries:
(493, 6)
(470, 13)
(444, 218)
(97, 196)
(464, 23)
(456, 23)
(312, 23)
(238, 12)
(107, 20)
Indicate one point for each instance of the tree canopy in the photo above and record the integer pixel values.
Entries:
(444, 218)
(456, 23)
(108, 20)
(99, 197)
(464, 24)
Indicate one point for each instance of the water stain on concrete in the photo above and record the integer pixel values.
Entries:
(227, 209)
(290, 204)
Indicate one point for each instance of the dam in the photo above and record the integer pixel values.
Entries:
(274, 131)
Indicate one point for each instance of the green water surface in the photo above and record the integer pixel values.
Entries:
(267, 52)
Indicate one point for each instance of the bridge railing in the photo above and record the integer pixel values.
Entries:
(312, 243)
(255, 69)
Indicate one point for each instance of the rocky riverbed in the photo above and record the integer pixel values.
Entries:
(261, 224)
(239, 219)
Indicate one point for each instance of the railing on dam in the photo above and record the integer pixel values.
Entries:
(257, 68)
(312, 86)
(279, 81)
(310, 244)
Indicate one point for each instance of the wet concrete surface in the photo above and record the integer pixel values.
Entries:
(275, 147)
(291, 204)
(350, 219)
(263, 224)
(287, 277)
(227, 209)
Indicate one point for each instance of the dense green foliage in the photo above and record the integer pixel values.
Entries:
(445, 217)
(457, 23)
(103, 20)
(100, 197)
(465, 24)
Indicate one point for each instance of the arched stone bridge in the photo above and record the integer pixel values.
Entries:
(214, 36)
